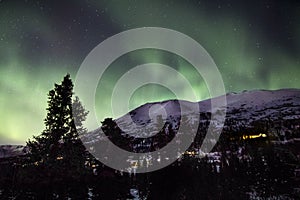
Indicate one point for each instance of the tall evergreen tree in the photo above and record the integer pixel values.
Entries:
(59, 144)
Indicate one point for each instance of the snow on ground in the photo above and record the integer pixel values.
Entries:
(244, 107)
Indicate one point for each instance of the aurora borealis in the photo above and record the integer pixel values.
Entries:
(255, 44)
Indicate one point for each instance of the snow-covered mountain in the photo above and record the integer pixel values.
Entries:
(242, 108)
(12, 151)
(260, 104)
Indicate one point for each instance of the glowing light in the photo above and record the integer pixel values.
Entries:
(59, 158)
(261, 135)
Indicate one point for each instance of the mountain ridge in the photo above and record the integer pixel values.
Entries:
(245, 107)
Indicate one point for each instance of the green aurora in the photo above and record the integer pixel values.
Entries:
(39, 44)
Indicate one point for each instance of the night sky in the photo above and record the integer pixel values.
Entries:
(256, 45)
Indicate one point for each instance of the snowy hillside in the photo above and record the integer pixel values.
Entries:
(243, 108)
(12, 150)
(260, 104)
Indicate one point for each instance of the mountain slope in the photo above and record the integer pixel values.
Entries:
(242, 108)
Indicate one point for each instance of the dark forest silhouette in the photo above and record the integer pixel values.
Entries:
(59, 147)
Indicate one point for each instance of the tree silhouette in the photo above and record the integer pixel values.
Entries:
(59, 144)
(114, 134)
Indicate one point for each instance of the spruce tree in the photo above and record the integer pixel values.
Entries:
(59, 144)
